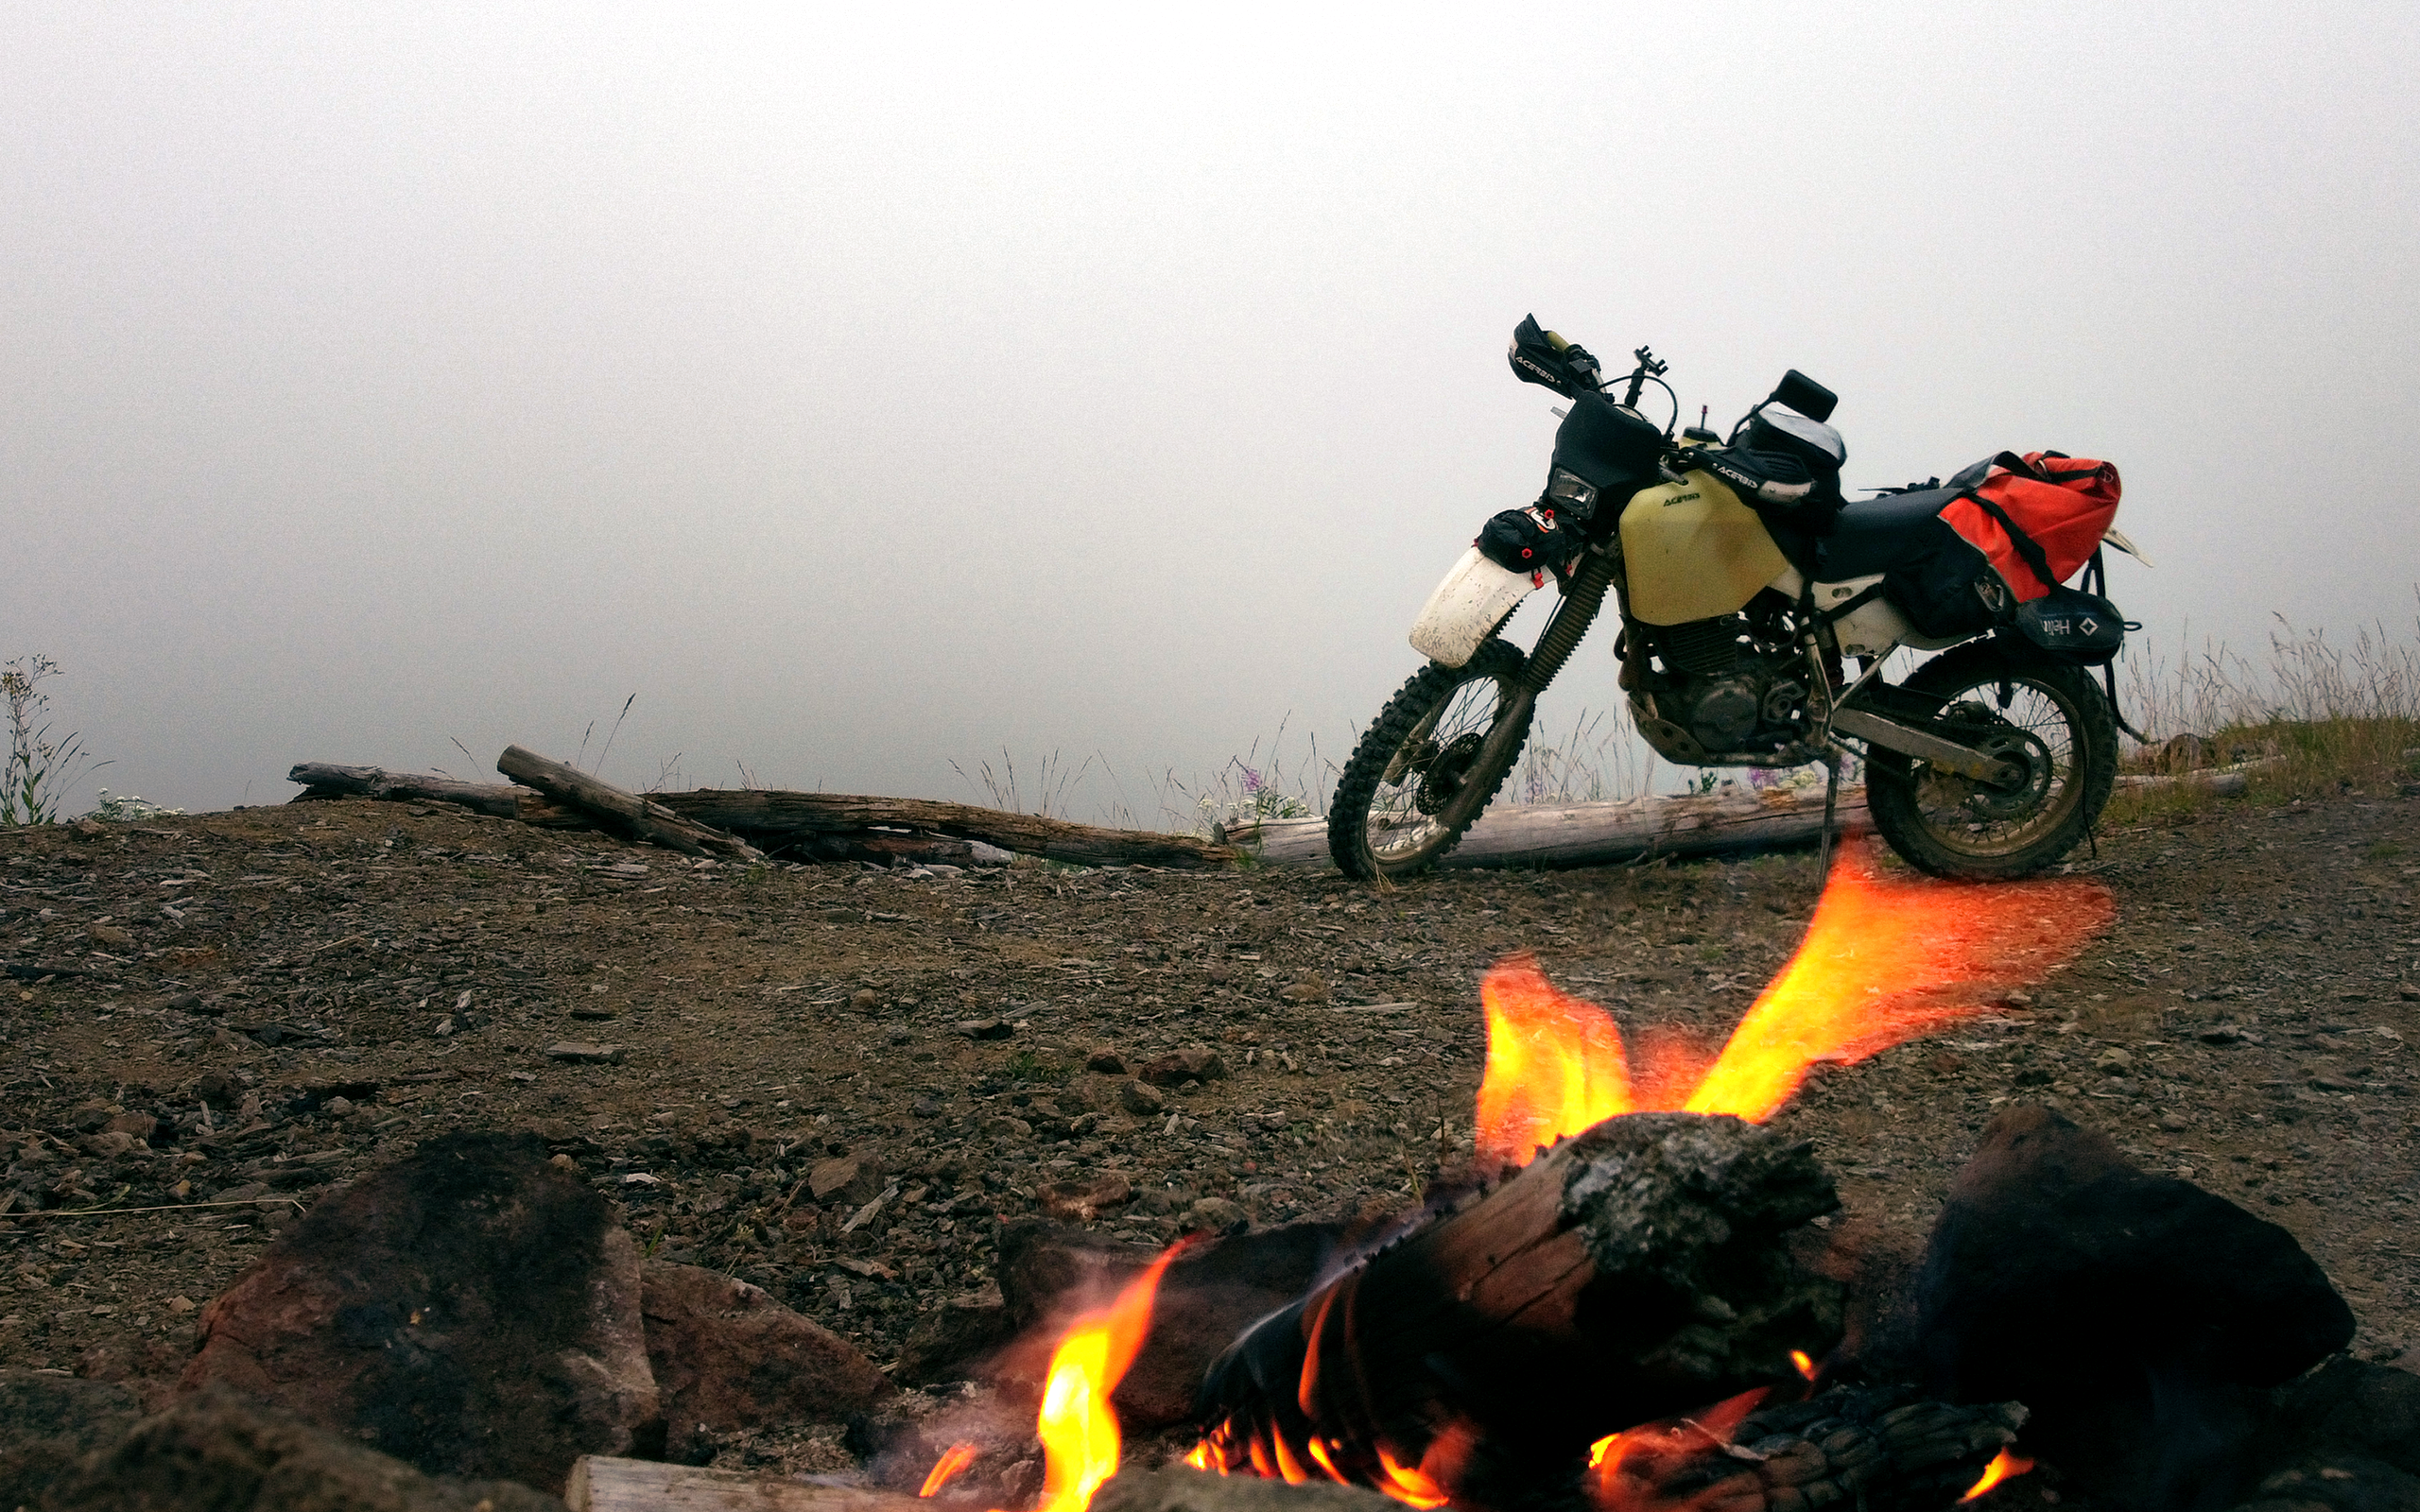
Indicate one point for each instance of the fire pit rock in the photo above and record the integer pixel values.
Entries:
(727, 1356)
(217, 1450)
(470, 1309)
(2140, 1317)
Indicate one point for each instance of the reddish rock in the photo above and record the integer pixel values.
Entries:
(1083, 1201)
(1189, 1063)
(728, 1356)
(1105, 1061)
(470, 1309)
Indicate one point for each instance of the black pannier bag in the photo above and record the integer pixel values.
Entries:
(2072, 626)
(1947, 586)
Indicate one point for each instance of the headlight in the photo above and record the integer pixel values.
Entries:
(1569, 494)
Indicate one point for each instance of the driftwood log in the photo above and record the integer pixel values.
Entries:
(1637, 1271)
(601, 1482)
(627, 813)
(767, 815)
(502, 800)
(1594, 834)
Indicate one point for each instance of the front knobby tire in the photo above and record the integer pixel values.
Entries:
(1418, 778)
(2049, 719)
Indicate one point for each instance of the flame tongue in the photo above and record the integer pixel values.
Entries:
(1883, 961)
(1078, 1431)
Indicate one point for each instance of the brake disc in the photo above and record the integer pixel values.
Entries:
(1443, 775)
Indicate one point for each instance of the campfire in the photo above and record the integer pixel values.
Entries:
(1612, 1307)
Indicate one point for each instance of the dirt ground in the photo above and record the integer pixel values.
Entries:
(295, 993)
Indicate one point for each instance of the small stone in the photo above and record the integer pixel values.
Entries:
(179, 1304)
(2334, 1081)
(2407, 992)
(140, 1126)
(1214, 1215)
(583, 1052)
(563, 1162)
(107, 1143)
(847, 1177)
(1141, 1099)
(1107, 1061)
(926, 1107)
(2114, 1062)
(1083, 1201)
(1219, 973)
(865, 1000)
(1309, 989)
(109, 936)
(1003, 1126)
(2174, 1123)
(338, 1106)
(1187, 1063)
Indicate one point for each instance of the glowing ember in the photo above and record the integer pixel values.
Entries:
(954, 1459)
(1805, 1362)
(2004, 1465)
(1656, 1443)
(1884, 961)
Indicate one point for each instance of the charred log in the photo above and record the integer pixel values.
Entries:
(1634, 1272)
(1878, 1450)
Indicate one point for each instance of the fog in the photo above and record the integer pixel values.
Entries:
(867, 394)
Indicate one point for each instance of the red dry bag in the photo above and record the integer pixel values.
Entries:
(2058, 504)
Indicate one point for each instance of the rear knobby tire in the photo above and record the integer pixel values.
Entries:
(1414, 783)
(2052, 719)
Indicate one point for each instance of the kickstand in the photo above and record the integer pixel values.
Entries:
(1831, 808)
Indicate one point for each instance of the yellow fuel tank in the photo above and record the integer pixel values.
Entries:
(1692, 551)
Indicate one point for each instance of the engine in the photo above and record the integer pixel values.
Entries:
(1732, 684)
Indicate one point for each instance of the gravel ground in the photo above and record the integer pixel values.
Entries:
(284, 996)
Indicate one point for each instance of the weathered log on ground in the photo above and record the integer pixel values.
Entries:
(1638, 1271)
(1594, 834)
(502, 800)
(603, 1482)
(768, 814)
(2222, 781)
(626, 813)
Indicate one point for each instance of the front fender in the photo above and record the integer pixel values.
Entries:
(1467, 607)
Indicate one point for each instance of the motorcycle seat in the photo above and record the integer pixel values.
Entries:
(1876, 534)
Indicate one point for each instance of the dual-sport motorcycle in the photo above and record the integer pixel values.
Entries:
(1746, 589)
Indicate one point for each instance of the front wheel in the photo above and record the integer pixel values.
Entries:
(2047, 721)
(1419, 777)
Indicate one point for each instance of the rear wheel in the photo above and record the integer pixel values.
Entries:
(2048, 722)
(1419, 777)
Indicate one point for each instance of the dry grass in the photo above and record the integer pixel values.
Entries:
(2319, 716)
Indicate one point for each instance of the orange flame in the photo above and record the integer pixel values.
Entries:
(1884, 961)
(1079, 1433)
(1805, 1363)
(1661, 1442)
(954, 1459)
(2002, 1467)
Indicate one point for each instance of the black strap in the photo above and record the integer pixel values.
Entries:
(1872, 591)
(2025, 546)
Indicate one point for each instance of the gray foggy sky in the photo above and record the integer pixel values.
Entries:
(866, 391)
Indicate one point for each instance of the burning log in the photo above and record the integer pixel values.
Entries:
(625, 811)
(1634, 1272)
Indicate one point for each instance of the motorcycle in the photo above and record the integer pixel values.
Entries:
(1746, 590)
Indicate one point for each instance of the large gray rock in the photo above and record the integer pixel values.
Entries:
(470, 1309)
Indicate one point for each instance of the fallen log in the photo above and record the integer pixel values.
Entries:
(1593, 835)
(502, 800)
(602, 1483)
(627, 813)
(2219, 781)
(767, 815)
(1638, 1271)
